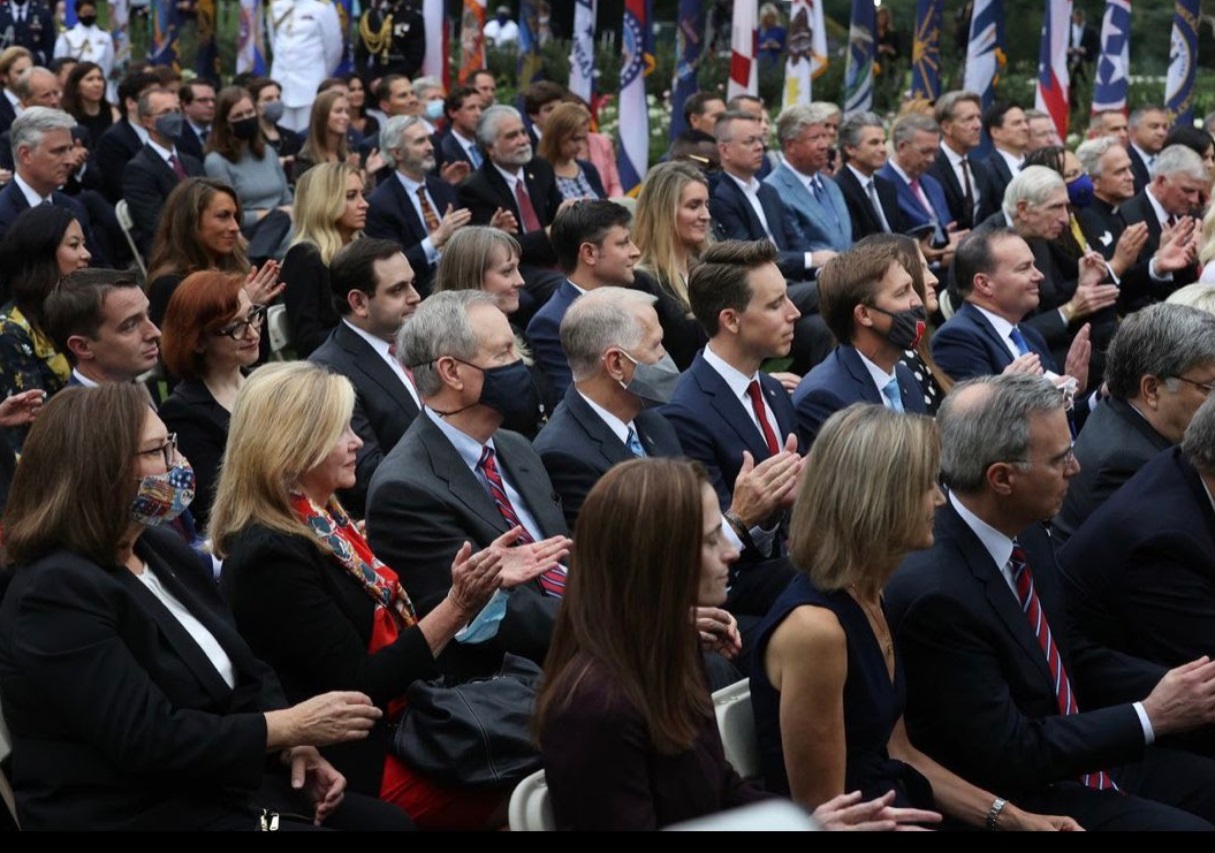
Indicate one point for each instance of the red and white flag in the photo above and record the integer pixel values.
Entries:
(744, 50)
(1053, 80)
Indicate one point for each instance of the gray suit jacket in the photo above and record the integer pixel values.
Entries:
(819, 226)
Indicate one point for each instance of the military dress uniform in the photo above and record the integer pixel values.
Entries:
(306, 40)
(392, 39)
(87, 44)
(29, 25)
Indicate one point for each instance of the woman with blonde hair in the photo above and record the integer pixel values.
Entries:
(829, 690)
(671, 227)
(1206, 250)
(330, 212)
(327, 128)
(565, 135)
(312, 599)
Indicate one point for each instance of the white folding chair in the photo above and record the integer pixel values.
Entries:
(123, 212)
(6, 790)
(530, 809)
(279, 331)
(736, 722)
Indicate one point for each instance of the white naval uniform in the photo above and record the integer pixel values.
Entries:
(306, 41)
(87, 44)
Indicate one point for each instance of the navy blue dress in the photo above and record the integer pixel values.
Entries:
(872, 703)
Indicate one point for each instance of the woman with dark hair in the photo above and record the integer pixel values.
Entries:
(84, 100)
(200, 230)
(1198, 141)
(366, 125)
(828, 687)
(268, 98)
(131, 701)
(565, 134)
(44, 244)
(209, 340)
(326, 140)
(624, 717)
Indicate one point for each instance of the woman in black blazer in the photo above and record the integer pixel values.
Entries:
(131, 700)
(210, 339)
(311, 598)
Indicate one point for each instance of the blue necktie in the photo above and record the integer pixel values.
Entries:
(474, 156)
(894, 395)
(1018, 341)
(634, 444)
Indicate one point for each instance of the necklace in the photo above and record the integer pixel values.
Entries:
(885, 640)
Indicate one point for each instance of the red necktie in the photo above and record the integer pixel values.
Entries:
(757, 403)
(178, 169)
(531, 222)
(1032, 607)
(552, 580)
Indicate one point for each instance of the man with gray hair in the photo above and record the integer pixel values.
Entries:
(914, 141)
(1138, 572)
(1174, 195)
(1158, 371)
(1042, 131)
(430, 90)
(873, 201)
(815, 206)
(959, 115)
(417, 210)
(456, 477)
(993, 671)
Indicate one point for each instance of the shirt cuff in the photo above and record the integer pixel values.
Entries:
(809, 260)
(432, 254)
(1155, 276)
(1149, 736)
(1113, 275)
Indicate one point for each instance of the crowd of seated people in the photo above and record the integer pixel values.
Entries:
(918, 444)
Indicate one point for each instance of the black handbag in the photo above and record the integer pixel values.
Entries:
(473, 734)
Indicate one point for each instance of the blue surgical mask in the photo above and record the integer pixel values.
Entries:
(434, 110)
(485, 625)
(1080, 191)
(654, 384)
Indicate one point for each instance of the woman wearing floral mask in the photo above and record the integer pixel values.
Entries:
(132, 702)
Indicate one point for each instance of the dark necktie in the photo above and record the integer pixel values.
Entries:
(552, 580)
(428, 212)
(527, 212)
(178, 169)
(757, 403)
(970, 191)
(1027, 595)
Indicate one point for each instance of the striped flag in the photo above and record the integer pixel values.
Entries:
(806, 43)
(436, 61)
(1109, 90)
(1183, 55)
(206, 62)
(744, 50)
(926, 54)
(985, 54)
(472, 39)
(636, 39)
(689, 42)
(251, 40)
(531, 64)
(166, 25)
(119, 22)
(69, 14)
(582, 59)
(1053, 77)
(858, 73)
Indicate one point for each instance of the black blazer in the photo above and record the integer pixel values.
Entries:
(303, 614)
(37, 33)
(734, 219)
(1140, 572)
(146, 182)
(682, 334)
(391, 216)
(190, 143)
(955, 193)
(311, 313)
(7, 114)
(117, 147)
(1143, 175)
(13, 204)
(996, 177)
(119, 720)
(383, 408)
(1139, 209)
(980, 697)
(201, 425)
(1115, 443)
(425, 502)
(1102, 225)
(860, 207)
(485, 190)
(448, 149)
(578, 447)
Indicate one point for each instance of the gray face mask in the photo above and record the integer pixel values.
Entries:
(654, 383)
(169, 125)
(273, 111)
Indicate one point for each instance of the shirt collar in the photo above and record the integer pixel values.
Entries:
(999, 546)
(898, 170)
(1143, 155)
(469, 448)
(31, 195)
(804, 177)
(880, 377)
(751, 186)
(1002, 326)
(737, 381)
(1162, 215)
(84, 380)
(378, 344)
(165, 153)
(411, 186)
(1014, 162)
(511, 179)
(140, 132)
(618, 427)
(955, 159)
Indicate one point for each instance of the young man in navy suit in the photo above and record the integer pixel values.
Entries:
(872, 309)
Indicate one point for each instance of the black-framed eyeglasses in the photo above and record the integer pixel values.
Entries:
(1207, 387)
(167, 451)
(241, 327)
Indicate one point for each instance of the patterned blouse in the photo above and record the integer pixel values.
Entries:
(27, 360)
(578, 187)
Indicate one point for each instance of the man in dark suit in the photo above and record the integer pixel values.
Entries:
(873, 201)
(29, 24)
(124, 138)
(1006, 126)
(373, 291)
(999, 689)
(419, 212)
(870, 305)
(158, 167)
(1157, 372)
(959, 115)
(1140, 572)
(45, 155)
(458, 142)
(1083, 46)
(724, 407)
(595, 249)
(1149, 128)
(198, 106)
(614, 343)
(1179, 181)
(456, 477)
(514, 187)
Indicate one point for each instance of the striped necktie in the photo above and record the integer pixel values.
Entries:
(552, 580)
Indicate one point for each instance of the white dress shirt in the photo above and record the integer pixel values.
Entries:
(197, 630)
(31, 195)
(1014, 162)
(955, 162)
(738, 383)
(381, 349)
(750, 190)
(880, 378)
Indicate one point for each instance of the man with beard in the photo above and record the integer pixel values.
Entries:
(418, 211)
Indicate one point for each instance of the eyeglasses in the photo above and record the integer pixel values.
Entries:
(1062, 462)
(241, 327)
(1206, 387)
(167, 451)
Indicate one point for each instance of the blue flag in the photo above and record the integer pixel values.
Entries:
(166, 27)
(858, 73)
(1183, 55)
(690, 36)
(531, 64)
(1109, 89)
(985, 54)
(926, 54)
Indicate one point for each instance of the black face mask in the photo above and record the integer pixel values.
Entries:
(907, 328)
(245, 130)
(87, 20)
(508, 390)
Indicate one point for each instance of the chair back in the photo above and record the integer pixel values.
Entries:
(123, 212)
(736, 722)
(530, 809)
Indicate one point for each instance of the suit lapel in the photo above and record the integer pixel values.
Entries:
(370, 363)
(464, 485)
(528, 477)
(729, 408)
(408, 214)
(989, 331)
(851, 360)
(597, 431)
